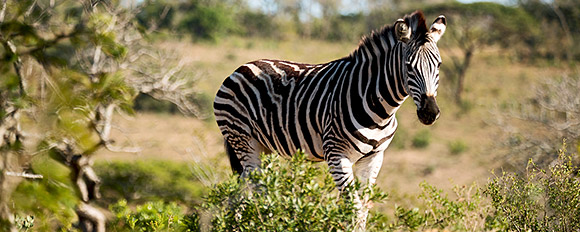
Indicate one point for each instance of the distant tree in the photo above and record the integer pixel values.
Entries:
(477, 25)
(207, 20)
(559, 20)
(156, 15)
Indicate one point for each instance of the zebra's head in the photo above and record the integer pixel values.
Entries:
(422, 62)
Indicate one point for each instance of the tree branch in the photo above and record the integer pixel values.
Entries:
(25, 175)
(3, 11)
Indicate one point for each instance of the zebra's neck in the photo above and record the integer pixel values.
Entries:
(378, 75)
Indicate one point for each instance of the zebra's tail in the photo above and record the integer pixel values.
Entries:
(234, 160)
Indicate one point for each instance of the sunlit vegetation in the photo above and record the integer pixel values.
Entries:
(95, 97)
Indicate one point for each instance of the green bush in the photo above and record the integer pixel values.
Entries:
(283, 196)
(258, 24)
(421, 139)
(466, 211)
(300, 196)
(143, 181)
(542, 200)
(146, 103)
(48, 203)
(207, 22)
(151, 216)
(157, 14)
(457, 147)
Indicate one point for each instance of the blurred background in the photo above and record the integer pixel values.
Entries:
(118, 94)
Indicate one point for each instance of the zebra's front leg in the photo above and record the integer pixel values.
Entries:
(341, 169)
(367, 169)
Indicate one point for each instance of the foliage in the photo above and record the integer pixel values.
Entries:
(476, 25)
(506, 26)
(24, 223)
(62, 63)
(151, 216)
(269, 200)
(146, 103)
(541, 200)
(207, 22)
(421, 139)
(465, 212)
(340, 27)
(156, 15)
(283, 196)
(70, 66)
(143, 181)
(529, 30)
(258, 24)
(558, 20)
(30, 198)
(457, 147)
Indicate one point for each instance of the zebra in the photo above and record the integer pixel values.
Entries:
(341, 112)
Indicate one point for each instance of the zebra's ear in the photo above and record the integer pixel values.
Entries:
(402, 31)
(438, 28)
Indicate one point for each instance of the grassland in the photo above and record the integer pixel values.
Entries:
(492, 80)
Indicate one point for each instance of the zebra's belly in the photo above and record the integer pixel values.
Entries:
(288, 139)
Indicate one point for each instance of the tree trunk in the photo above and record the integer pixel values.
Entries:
(7, 186)
(87, 185)
(568, 41)
(10, 142)
(462, 70)
(90, 218)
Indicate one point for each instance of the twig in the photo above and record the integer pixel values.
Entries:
(25, 175)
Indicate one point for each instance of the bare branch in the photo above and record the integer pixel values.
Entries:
(3, 11)
(25, 175)
(536, 127)
(167, 80)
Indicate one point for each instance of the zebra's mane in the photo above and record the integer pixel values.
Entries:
(416, 22)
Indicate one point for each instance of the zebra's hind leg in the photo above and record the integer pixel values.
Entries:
(244, 152)
(235, 163)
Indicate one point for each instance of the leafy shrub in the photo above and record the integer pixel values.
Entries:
(457, 147)
(542, 200)
(158, 14)
(465, 106)
(301, 196)
(143, 181)
(146, 103)
(283, 196)
(48, 203)
(258, 24)
(151, 216)
(207, 22)
(465, 212)
(421, 139)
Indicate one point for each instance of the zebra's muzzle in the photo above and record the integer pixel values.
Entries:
(428, 111)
